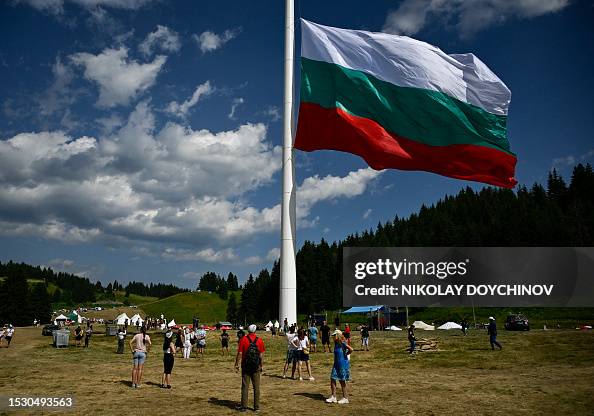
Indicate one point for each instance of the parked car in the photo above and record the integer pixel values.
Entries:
(47, 330)
(517, 322)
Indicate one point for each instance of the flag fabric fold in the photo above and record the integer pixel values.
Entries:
(402, 103)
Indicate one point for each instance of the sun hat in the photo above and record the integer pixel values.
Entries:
(337, 332)
(252, 328)
(491, 318)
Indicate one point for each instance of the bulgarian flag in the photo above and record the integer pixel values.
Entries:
(401, 103)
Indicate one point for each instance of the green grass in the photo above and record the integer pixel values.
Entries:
(536, 373)
(134, 299)
(209, 307)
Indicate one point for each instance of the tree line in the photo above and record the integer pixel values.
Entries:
(562, 214)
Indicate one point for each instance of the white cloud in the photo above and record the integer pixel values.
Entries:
(234, 105)
(367, 213)
(273, 254)
(161, 188)
(61, 264)
(468, 16)
(192, 275)
(253, 260)
(572, 160)
(162, 38)
(209, 41)
(56, 7)
(119, 79)
(315, 189)
(181, 110)
(59, 94)
(273, 112)
(208, 255)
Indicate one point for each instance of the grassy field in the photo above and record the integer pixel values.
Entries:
(209, 307)
(538, 372)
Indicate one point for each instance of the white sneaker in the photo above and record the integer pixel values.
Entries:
(344, 400)
(312, 379)
(331, 399)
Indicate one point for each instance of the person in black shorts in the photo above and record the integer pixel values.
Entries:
(325, 330)
(225, 342)
(168, 359)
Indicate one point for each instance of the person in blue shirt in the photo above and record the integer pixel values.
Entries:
(341, 368)
(313, 337)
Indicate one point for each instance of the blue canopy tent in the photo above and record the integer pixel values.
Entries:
(374, 314)
(365, 309)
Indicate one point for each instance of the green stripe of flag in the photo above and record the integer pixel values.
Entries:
(429, 117)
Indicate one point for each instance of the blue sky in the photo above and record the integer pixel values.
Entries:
(140, 139)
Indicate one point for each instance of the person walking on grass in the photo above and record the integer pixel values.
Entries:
(365, 337)
(251, 354)
(411, 338)
(341, 370)
(200, 341)
(168, 359)
(139, 344)
(313, 336)
(240, 334)
(9, 334)
(303, 353)
(225, 342)
(292, 346)
(121, 336)
(325, 330)
(179, 341)
(187, 343)
(88, 333)
(492, 331)
(78, 336)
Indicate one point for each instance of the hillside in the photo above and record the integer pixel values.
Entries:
(208, 307)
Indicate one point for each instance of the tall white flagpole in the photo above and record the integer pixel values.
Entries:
(288, 275)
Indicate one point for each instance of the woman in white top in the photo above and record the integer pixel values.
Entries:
(187, 343)
(139, 345)
(303, 353)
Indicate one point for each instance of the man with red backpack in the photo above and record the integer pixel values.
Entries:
(251, 352)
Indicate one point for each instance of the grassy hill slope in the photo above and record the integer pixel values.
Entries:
(209, 307)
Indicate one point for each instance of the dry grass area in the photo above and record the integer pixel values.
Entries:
(537, 372)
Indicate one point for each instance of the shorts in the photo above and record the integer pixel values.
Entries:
(365, 341)
(325, 340)
(291, 356)
(201, 344)
(139, 358)
(341, 374)
(314, 341)
(303, 356)
(167, 363)
(225, 344)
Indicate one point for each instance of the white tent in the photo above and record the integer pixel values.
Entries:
(60, 319)
(135, 320)
(276, 324)
(395, 328)
(423, 325)
(122, 318)
(171, 323)
(450, 325)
